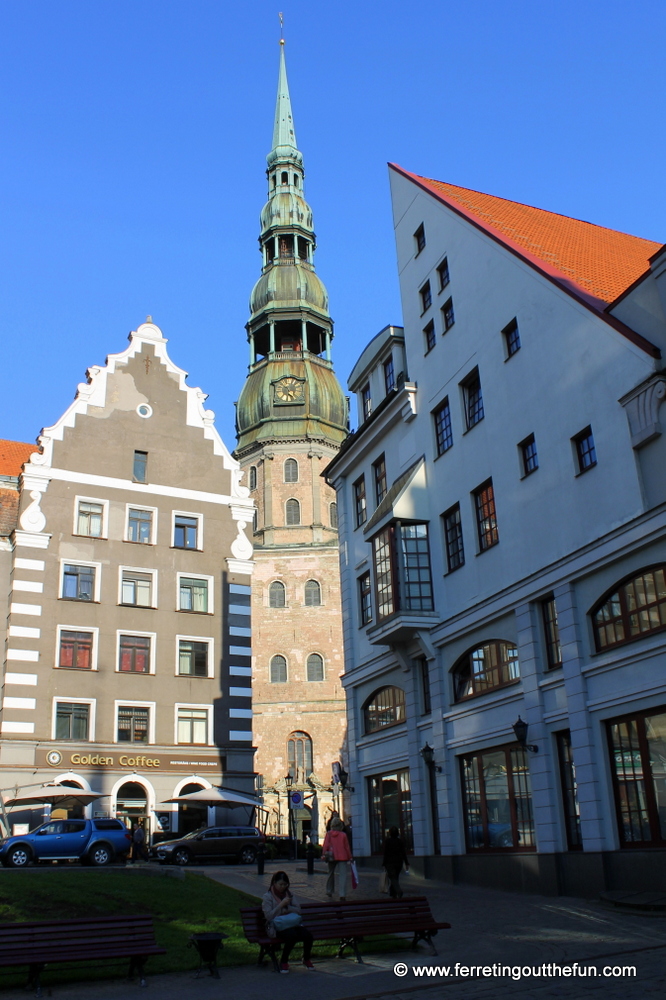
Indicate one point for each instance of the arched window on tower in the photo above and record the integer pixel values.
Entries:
(333, 514)
(276, 595)
(312, 594)
(293, 511)
(291, 471)
(285, 177)
(278, 670)
(315, 667)
(295, 180)
(299, 756)
(253, 477)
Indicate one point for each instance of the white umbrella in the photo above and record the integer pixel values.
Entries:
(216, 797)
(55, 795)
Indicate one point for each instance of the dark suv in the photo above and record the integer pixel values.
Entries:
(93, 841)
(215, 843)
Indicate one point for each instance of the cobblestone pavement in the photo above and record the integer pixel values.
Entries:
(489, 928)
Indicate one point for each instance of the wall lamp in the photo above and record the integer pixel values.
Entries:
(520, 729)
(428, 755)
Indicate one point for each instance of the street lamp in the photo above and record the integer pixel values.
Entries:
(428, 755)
(520, 730)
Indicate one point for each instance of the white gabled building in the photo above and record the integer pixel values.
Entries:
(502, 512)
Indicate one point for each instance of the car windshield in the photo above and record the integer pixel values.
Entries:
(193, 834)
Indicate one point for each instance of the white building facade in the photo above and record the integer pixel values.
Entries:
(502, 510)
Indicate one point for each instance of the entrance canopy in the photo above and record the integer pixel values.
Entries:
(216, 797)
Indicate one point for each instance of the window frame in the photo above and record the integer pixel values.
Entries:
(441, 446)
(295, 737)
(141, 571)
(388, 368)
(379, 478)
(199, 529)
(105, 516)
(210, 656)
(509, 750)
(129, 703)
(315, 680)
(92, 718)
(252, 478)
(393, 704)
(430, 336)
(291, 523)
(153, 652)
(283, 591)
(365, 599)
(333, 514)
(511, 344)
(392, 569)
(425, 293)
(153, 523)
(625, 611)
(360, 502)
(97, 583)
(551, 632)
(647, 773)
(443, 272)
(93, 630)
(487, 538)
(568, 790)
(471, 679)
(210, 581)
(473, 407)
(307, 604)
(448, 546)
(420, 239)
(448, 315)
(577, 441)
(189, 706)
(366, 402)
(286, 463)
(144, 462)
(526, 458)
(286, 669)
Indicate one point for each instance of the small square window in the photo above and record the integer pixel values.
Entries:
(453, 537)
(473, 399)
(528, 454)
(365, 599)
(379, 473)
(585, 450)
(419, 239)
(443, 429)
(72, 721)
(136, 588)
(78, 583)
(426, 297)
(448, 317)
(134, 654)
(90, 518)
(443, 274)
(192, 658)
(185, 531)
(76, 649)
(133, 724)
(511, 338)
(389, 375)
(140, 525)
(366, 401)
(193, 594)
(429, 336)
(486, 516)
(193, 726)
(360, 504)
(140, 466)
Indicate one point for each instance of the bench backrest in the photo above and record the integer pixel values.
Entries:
(75, 935)
(359, 916)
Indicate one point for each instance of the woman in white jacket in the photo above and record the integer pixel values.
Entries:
(278, 902)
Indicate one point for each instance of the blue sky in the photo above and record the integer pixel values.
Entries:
(133, 137)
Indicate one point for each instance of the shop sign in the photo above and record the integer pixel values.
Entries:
(132, 760)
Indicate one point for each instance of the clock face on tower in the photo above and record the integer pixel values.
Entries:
(289, 390)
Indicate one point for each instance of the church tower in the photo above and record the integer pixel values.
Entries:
(292, 417)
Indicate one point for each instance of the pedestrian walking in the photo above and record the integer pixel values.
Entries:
(337, 852)
(139, 852)
(282, 913)
(395, 856)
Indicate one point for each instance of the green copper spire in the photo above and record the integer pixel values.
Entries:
(283, 132)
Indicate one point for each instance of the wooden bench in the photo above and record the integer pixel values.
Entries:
(38, 943)
(349, 923)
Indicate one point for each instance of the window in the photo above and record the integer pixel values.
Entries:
(366, 401)
(389, 375)
(382, 549)
(193, 594)
(134, 654)
(315, 667)
(72, 720)
(133, 723)
(636, 745)
(486, 515)
(497, 800)
(586, 455)
(278, 670)
(253, 477)
(569, 790)
(511, 339)
(293, 512)
(90, 518)
(443, 430)
(379, 476)
(312, 594)
(471, 388)
(291, 471)
(493, 665)
(360, 501)
(443, 274)
(76, 649)
(425, 686)
(448, 317)
(635, 608)
(277, 595)
(140, 466)
(299, 756)
(426, 297)
(192, 658)
(453, 538)
(402, 569)
(365, 599)
(385, 707)
(528, 455)
(429, 336)
(185, 531)
(136, 588)
(192, 726)
(419, 239)
(78, 583)
(390, 804)
(284, 177)
(333, 514)
(140, 525)
(551, 633)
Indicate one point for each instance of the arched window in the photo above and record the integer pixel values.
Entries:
(315, 667)
(333, 514)
(253, 477)
(285, 177)
(299, 756)
(385, 707)
(293, 510)
(484, 668)
(276, 595)
(312, 594)
(634, 608)
(295, 180)
(278, 670)
(291, 471)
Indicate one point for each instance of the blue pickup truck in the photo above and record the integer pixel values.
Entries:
(92, 841)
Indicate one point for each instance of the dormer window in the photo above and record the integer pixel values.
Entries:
(285, 177)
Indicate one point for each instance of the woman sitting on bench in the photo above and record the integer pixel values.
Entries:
(280, 907)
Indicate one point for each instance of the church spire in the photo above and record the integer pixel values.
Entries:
(283, 131)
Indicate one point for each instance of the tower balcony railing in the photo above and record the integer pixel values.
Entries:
(291, 356)
(278, 261)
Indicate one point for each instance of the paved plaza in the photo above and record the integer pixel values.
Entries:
(497, 944)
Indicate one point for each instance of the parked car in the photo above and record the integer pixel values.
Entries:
(92, 841)
(215, 843)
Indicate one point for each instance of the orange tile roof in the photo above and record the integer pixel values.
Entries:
(599, 262)
(12, 456)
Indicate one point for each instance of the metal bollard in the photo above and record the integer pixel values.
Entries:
(309, 855)
(261, 857)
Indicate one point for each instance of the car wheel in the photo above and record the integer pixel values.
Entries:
(182, 856)
(19, 857)
(248, 855)
(100, 855)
